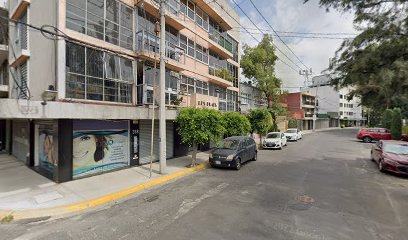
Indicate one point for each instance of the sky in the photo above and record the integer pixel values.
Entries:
(294, 16)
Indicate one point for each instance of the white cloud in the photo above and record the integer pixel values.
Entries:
(294, 16)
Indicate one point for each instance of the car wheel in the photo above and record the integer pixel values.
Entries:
(381, 166)
(255, 157)
(238, 164)
(367, 139)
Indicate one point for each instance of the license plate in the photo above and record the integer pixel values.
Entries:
(218, 162)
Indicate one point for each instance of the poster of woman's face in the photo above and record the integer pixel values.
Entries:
(46, 148)
(97, 151)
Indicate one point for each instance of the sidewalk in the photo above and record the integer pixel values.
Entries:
(26, 194)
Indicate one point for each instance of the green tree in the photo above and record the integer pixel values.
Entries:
(260, 120)
(374, 63)
(396, 123)
(236, 124)
(258, 64)
(292, 123)
(387, 119)
(199, 126)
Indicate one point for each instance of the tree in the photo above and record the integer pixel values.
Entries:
(396, 123)
(260, 120)
(199, 126)
(236, 124)
(258, 64)
(387, 119)
(375, 62)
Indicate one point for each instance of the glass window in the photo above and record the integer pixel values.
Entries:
(183, 42)
(190, 47)
(75, 17)
(191, 11)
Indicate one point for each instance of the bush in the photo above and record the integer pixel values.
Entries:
(396, 123)
(236, 124)
(405, 129)
(387, 119)
(292, 123)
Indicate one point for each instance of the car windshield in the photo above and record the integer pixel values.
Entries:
(273, 135)
(229, 144)
(399, 149)
(291, 131)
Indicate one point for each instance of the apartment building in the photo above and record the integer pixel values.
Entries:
(4, 78)
(302, 106)
(251, 97)
(80, 103)
(335, 104)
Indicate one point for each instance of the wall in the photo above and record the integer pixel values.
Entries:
(328, 98)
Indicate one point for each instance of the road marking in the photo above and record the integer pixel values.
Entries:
(188, 204)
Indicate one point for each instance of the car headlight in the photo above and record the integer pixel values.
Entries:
(210, 155)
(390, 161)
(230, 157)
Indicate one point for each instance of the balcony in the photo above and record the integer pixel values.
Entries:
(144, 96)
(216, 75)
(173, 17)
(147, 46)
(18, 7)
(219, 46)
(218, 15)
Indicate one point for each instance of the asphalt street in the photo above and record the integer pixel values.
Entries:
(322, 187)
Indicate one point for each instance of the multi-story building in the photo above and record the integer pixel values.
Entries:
(302, 106)
(4, 66)
(79, 102)
(251, 97)
(335, 104)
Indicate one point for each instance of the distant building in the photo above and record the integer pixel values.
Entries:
(301, 106)
(334, 104)
(251, 97)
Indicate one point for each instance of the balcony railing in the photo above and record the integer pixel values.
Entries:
(147, 41)
(144, 96)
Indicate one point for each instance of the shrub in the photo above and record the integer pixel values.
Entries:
(292, 123)
(236, 124)
(387, 119)
(396, 123)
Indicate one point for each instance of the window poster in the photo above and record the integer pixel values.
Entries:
(99, 146)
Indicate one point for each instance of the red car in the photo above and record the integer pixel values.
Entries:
(370, 134)
(404, 137)
(391, 156)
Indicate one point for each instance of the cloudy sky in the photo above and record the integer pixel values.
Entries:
(294, 16)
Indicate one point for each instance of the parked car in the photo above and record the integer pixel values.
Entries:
(404, 137)
(233, 152)
(293, 134)
(368, 135)
(276, 140)
(391, 156)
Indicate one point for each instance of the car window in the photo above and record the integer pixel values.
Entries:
(230, 144)
(400, 149)
(387, 131)
(272, 135)
(382, 131)
(373, 130)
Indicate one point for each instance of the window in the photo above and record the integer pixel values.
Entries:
(191, 48)
(22, 87)
(95, 75)
(187, 85)
(191, 10)
(201, 87)
(22, 33)
(199, 52)
(112, 22)
(341, 96)
(341, 104)
(183, 42)
(341, 113)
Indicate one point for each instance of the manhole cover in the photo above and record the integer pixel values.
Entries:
(305, 199)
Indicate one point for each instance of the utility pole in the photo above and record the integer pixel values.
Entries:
(307, 73)
(162, 118)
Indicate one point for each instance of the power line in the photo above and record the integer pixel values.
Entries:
(277, 34)
(272, 42)
(308, 33)
(303, 37)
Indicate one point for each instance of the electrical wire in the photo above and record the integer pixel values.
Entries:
(264, 34)
(307, 33)
(277, 33)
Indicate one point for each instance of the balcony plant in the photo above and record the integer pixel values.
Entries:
(224, 73)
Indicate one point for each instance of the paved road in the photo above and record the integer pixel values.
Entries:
(323, 187)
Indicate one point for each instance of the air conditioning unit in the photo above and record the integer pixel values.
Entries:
(175, 74)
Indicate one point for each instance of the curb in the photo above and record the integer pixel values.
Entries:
(92, 203)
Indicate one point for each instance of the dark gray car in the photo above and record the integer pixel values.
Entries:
(233, 152)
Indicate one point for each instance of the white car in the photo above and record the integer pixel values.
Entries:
(276, 140)
(293, 134)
